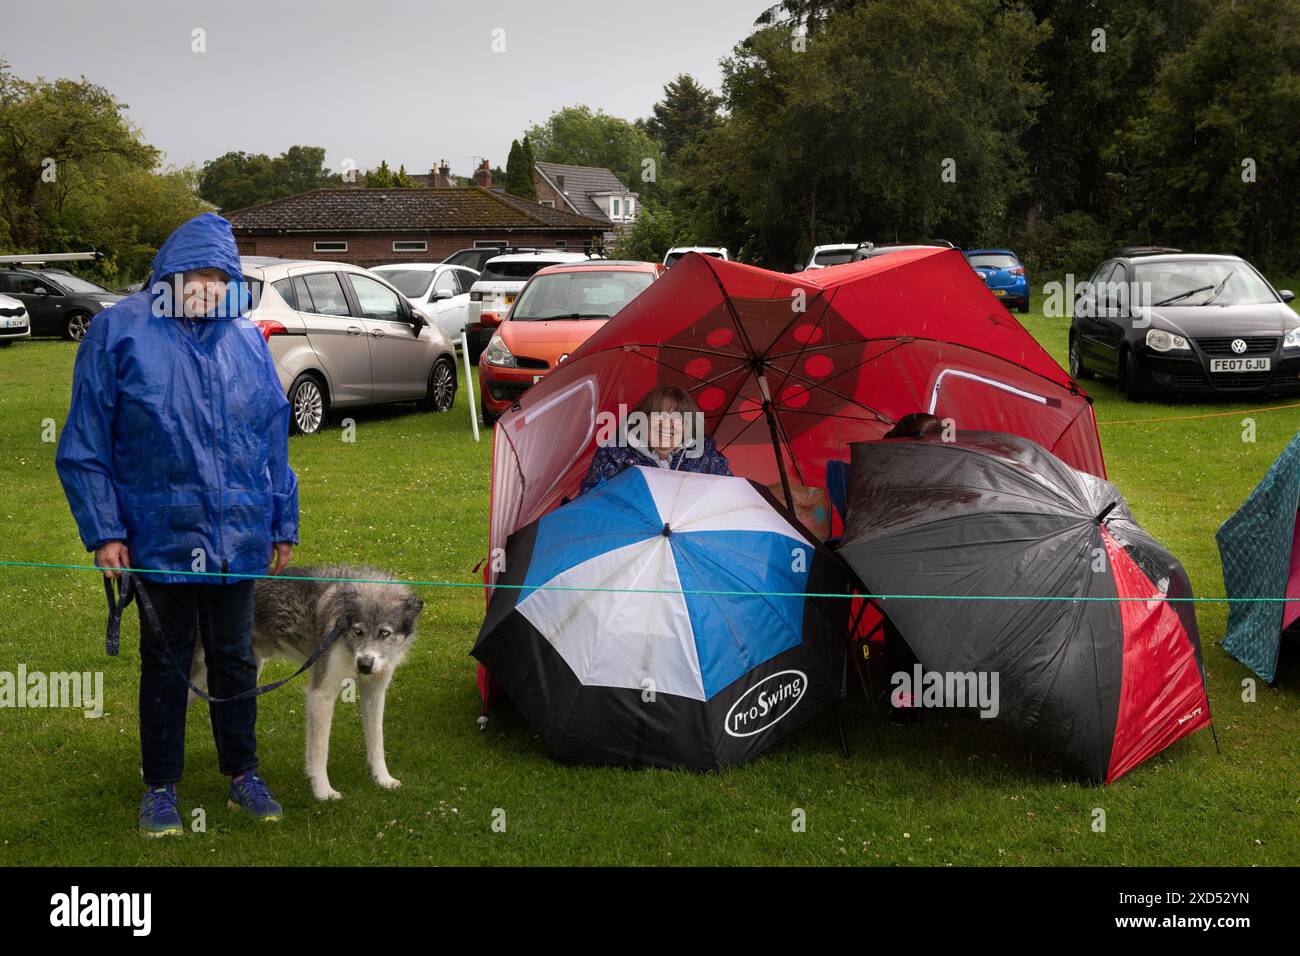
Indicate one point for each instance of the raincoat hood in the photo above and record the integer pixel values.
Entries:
(205, 242)
(177, 439)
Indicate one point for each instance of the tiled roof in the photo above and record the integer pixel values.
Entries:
(394, 210)
(581, 183)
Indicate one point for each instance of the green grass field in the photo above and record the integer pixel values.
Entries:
(410, 495)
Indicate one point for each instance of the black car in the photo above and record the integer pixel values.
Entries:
(1184, 322)
(477, 258)
(870, 250)
(58, 303)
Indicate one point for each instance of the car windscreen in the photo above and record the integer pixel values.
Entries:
(578, 295)
(834, 257)
(74, 284)
(412, 283)
(513, 271)
(1200, 282)
(992, 260)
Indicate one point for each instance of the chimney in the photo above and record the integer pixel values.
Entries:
(440, 175)
(483, 175)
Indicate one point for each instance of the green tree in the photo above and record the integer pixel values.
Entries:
(381, 177)
(811, 15)
(1097, 66)
(656, 230)
(1213, 159)
(236, 180)
(686, 112)
(853, 138)
(519, 172)
(126, 213)
(530, 164)
(581, 137)
(50, 131)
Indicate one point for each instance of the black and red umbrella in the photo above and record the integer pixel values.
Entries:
(1093, 659)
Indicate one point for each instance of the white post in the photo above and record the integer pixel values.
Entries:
(469, 382)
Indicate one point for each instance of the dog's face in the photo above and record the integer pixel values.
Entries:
(382, 624)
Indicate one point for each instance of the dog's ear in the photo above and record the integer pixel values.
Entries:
(340, 599)
(411, 609)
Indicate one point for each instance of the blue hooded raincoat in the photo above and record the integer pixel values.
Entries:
(177, 438)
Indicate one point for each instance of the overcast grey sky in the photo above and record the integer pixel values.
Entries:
(402, 80)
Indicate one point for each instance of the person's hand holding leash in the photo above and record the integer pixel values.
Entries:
(112, 557)
(281, 554)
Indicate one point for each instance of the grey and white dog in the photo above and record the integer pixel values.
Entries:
(291, 616)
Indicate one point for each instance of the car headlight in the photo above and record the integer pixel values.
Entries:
(1162, 341)
(497, 354)
(1292, 340)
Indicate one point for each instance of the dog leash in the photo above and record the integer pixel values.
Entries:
(129, 588)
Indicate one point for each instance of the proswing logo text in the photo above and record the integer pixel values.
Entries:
(75, 909)
(765, 703)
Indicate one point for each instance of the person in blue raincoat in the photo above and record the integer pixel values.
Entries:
(174, 459)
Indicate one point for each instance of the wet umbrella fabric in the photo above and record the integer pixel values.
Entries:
(1103, 683)
(609, 660)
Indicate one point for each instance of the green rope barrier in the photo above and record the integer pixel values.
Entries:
(701, 592)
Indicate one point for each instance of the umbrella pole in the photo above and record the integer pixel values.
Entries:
(776, 448)
(839, 726)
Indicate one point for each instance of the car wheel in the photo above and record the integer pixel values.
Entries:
(308, 404)
(1024, 307)
(1130, 379)
(489, 420)
(75, 325)
(442, 387)
(1077, 368)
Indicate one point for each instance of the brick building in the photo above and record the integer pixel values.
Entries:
(590, 191)
(371, 227)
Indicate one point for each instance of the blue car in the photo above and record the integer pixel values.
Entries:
(1003, 274)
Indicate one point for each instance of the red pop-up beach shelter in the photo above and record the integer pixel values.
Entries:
(789, 370)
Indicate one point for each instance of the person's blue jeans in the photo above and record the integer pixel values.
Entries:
(223, 614)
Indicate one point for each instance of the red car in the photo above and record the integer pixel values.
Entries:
(560, 308)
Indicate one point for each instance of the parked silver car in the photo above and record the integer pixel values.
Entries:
(342, 337)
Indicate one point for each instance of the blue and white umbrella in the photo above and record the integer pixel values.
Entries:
(661, 620)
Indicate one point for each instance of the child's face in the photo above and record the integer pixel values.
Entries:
(203, 289)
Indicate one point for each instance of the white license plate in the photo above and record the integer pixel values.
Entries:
(15, 323)
(1239, 365)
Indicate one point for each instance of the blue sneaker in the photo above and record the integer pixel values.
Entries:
(249, 793)
(159, 815)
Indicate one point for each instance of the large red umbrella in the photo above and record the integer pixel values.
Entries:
(789, 370)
